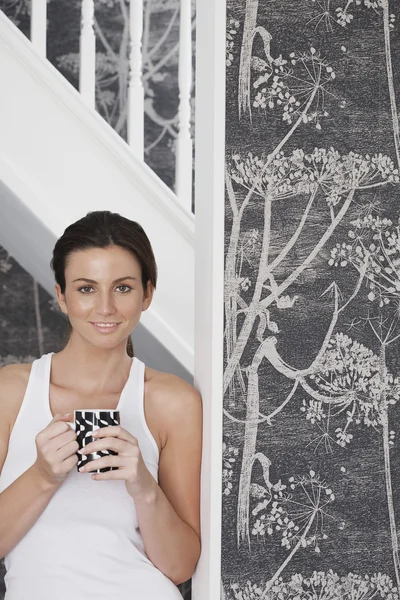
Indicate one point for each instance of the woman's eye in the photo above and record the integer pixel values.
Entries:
(87, 289)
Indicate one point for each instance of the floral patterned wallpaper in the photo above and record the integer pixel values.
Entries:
(311, 481)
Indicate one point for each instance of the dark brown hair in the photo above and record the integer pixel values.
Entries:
(102, 229)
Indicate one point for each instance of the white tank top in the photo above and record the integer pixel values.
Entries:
(86, 544)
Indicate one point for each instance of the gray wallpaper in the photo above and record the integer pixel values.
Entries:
(30, 323)
(311, 484)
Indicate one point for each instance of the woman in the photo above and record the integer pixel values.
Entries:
(131, 533)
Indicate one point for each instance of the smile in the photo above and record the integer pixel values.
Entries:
(105, 327)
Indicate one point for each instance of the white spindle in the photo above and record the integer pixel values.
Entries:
(87, 72)
(136, 91)
(183, 177)
(39, 25)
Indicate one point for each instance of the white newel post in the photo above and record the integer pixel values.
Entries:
(209, 280)
(136, 90)
(87, 72)
(39, 26)
(183, 175)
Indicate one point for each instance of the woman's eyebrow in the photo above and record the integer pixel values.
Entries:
(94, 281)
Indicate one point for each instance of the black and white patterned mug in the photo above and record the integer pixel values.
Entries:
(86, 422)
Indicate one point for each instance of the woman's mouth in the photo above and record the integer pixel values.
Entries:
(104, 327)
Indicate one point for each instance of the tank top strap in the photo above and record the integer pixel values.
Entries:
(133, 411)
(42, 372)
(36, 397)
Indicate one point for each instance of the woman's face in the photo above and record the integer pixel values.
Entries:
(104, 295)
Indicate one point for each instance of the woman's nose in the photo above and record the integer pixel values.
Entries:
(105, 304)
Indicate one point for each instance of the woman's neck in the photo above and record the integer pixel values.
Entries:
(90, 369)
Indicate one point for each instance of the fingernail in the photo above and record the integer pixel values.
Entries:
(81, 451)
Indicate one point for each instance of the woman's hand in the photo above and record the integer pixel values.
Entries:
(129, 462)
(56, 448)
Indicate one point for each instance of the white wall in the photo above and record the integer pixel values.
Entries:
(20, 231)
(210, 167)
(61, 160)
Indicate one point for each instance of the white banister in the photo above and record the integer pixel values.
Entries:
(39, 26)
(87, 72)
(136, 90)
(184, 145)
(209, 282)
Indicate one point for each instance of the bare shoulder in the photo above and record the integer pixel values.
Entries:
(170, 402)
(14, 375)
(165, 388)
(13, 382)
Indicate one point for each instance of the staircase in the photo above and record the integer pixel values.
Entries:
(60, 159)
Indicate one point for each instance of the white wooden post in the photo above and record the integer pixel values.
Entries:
(209, 277)
(136, 90)
(39, 26)
(184, 146)
(87, 72)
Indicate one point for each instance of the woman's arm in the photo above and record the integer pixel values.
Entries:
(22, 502)
(169, 513)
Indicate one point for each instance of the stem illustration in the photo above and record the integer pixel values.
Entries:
(388, 476)
(389, 70)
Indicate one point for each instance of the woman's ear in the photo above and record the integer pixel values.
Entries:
(148, 295)
(61, 299)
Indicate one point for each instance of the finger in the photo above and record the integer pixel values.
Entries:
(61, 440)
(59, 424)
(53, 430)
(106, 461)
(64, 417)
(68, 450)
(70, 462)
(115, 431)
(115, 444)
(67, 418)
(119, 474)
